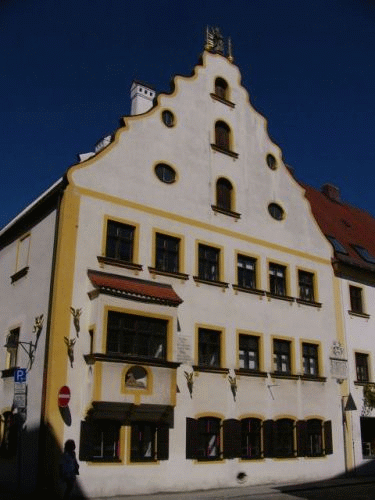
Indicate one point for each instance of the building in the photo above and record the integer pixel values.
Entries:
(351, 233)
(189, 306)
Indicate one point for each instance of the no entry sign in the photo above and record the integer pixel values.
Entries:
(64, 396)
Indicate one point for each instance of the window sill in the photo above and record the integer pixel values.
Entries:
(181, 276)
(223, 100)
(250, 373)
(254, 291)
(8, 372)
(280, 297)
(225, 151)
(224, 211)
(309, 303)
(288, 376)
(126, 359)
(119, 263)
(19, 274)
(210, 369)
(363, 383)
(359, 314)
(313, 378)
(103, 460)
(221, 284)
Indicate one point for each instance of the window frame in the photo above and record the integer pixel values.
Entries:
(223, 136)
(306, 286)
(356, 299)
(254, 349)
(209, 346)
(362, 367)
(92, 437)
(167, 259)
(12, 352)
(278, 285)
(285, 439)
(310, 359)
(251, 438)
(221, 91)
(205, 260)
(280, 349)
(128, 241)
(246, 276)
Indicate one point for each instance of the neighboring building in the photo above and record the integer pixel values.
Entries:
(189, 304)
(351, 232)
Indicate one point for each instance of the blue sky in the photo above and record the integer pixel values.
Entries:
(67, 68)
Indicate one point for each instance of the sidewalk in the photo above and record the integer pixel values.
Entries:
(266, 490)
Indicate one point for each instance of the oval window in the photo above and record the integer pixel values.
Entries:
(271, 162)
(168, 118)
(276, 211)
(165, 173)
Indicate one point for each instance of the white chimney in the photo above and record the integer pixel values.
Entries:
(142, 97)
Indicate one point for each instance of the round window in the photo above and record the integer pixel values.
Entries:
(271, 162)
(165, 173)
(168, 118)
(276, 211)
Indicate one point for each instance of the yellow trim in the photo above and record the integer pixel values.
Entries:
(220, 329)
(98, 381)
(127, 222)
(317, 343)
(181, 247)
(315, 281)
(58, 365)
(199, 224)
(287, 274)
(221, 257)
(19, 243)
(258, 266)
(291, 340)
(260, 337)
(169, 164)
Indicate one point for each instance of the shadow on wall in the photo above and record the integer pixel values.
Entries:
(30, 465)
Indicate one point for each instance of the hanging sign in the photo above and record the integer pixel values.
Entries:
(64, 396)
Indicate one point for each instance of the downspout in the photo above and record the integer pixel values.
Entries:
(42, 452)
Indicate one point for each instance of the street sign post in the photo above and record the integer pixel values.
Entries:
(20, 375)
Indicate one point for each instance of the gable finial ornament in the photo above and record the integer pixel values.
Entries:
(215, 42)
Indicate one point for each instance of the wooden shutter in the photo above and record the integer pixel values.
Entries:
(301, 426)
(85, 441)
(162, 442)
(191, 438)
(328, 437)
(268, 438)
(231, 438)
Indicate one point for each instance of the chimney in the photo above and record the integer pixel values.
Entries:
(142, 97)
(332, 192)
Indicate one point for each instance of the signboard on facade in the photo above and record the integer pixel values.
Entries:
(20, 375)
(339, 364)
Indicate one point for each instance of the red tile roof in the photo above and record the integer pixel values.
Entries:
(134, 289)
(348, 224)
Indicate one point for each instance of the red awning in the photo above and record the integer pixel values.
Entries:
(133, 288)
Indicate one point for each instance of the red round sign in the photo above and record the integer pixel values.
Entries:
(64, 396)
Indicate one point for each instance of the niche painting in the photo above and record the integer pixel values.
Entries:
(136, 378)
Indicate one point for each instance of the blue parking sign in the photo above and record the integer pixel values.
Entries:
(20, 375)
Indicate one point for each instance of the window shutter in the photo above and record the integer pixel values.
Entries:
(191, 438)
(268, 438)
(328, 437)
(231, 438)
(163, 442)
(301, 426)
(85, 441)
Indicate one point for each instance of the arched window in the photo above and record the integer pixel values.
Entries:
(251, 438)
(221, 88)
(224, 191)
(222, 135)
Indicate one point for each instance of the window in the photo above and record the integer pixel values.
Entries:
(356, 304)
(168, 118)
(209, 349)
(314, 438)
(165, 173)
(281, 356)
(208, 263)
(224, 194)
(12, 348)
(365, 254)
(222, 135)
(167, 253)
(203, 438)
(284, 438)
(368, 437)
(144, 441)
(249, 352)
(337, 246)
(100, 440)
(276, 211)
(221, 88)
(306, 286)
(120, 241)
(246, 272)
(23, 252)
(271, 162)
(277, 276)
(361, 363)
(251, 438)
(310, 359)
(136, 335)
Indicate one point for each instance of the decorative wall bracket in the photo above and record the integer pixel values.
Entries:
(70, 347)
(233, 385)
(76, 313)
(190, 382)
(28, 347)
